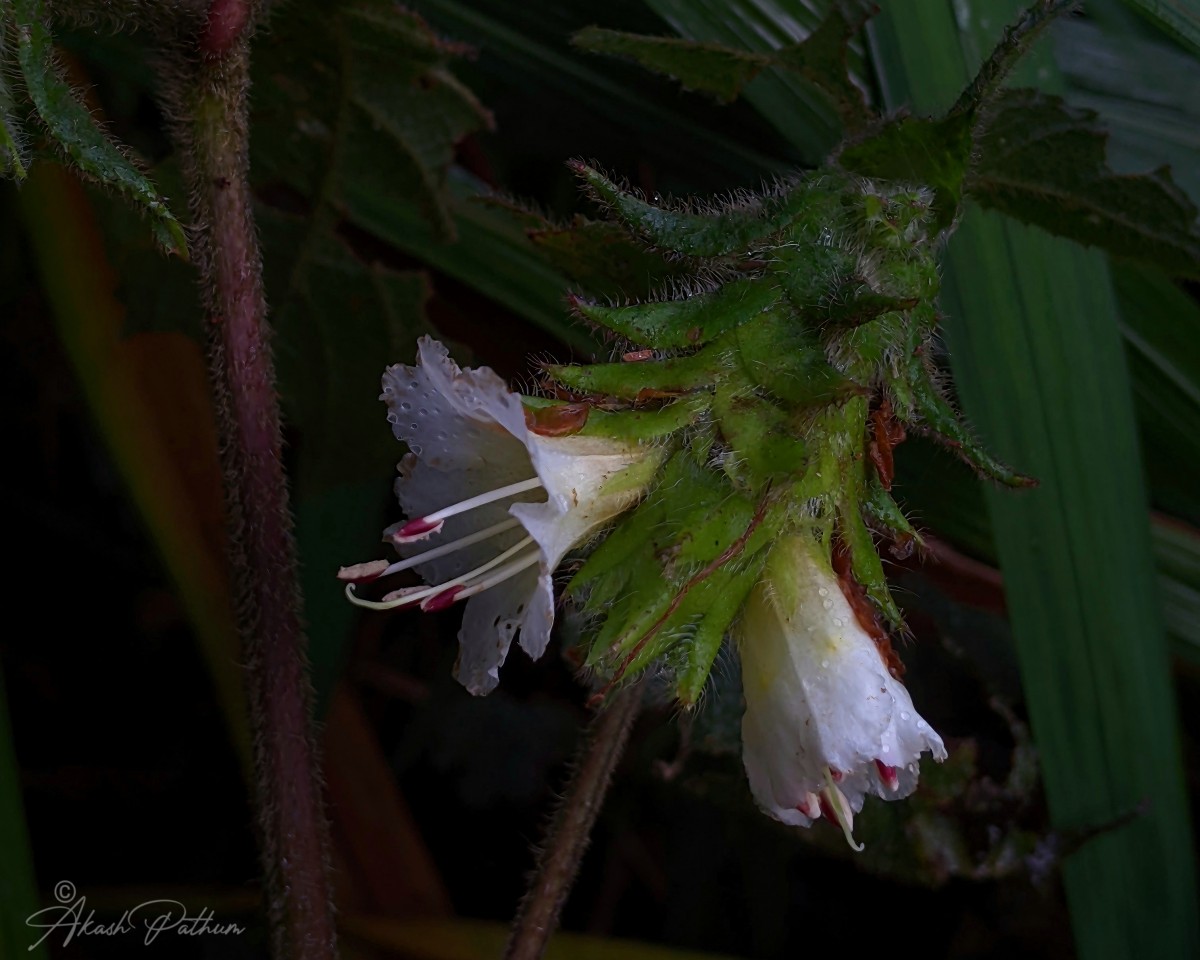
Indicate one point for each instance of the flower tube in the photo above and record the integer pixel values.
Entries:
(826, 723)
(494, 506)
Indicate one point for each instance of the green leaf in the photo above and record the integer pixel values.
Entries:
(370, 102)
(492, 255)
(1161, 326)
(934, 152)
(1143, 88)
(1044, 163)
(1036, 350)
(1180, 18)
(707, 67)
(798, 110)
(1177, 552)
(76, 132)
(526, 58)
(724, 70)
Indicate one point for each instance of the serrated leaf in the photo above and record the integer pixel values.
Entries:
(934, 152)
(369, 103)
(75, 131)
(707, 67)
(724, 71)
(1044, 163)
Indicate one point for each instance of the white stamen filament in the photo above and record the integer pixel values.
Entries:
(452, 546)
(504, 573)
(841, 810)
(483, 499)
(441, 587)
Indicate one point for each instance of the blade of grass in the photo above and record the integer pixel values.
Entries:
(942, 497)
(18, 887)
(1179, 18)
(1036, 353)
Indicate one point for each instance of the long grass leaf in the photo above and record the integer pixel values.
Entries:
(1037, 355)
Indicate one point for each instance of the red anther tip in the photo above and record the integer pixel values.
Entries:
(440, 601)
(417, 529)
(636, 356)
(827, 808)
(835, 775)
(888, 775)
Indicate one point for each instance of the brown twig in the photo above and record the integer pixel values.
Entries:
(571, 827)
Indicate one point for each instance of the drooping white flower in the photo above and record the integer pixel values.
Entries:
(494, 505)
(826, 723)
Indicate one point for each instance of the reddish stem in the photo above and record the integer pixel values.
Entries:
(209, 100)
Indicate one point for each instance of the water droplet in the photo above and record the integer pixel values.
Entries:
(886, 748)
(904, 714)
(839, 622)
(828, 604)
(424, 411)
(823, 592)
(921, 724)
(415, 448)
(406, 405)
(824, 664)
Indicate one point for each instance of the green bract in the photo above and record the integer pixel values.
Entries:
(781, 378)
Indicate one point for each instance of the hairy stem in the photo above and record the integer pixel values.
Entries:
(1017, 39)
(571, 827)
(207, 76)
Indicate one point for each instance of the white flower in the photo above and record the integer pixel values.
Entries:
(825, 722)
(494, 505)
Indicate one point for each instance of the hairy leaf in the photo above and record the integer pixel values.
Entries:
(1044, 163)
(724, 71)
(75, 131)
(934, 152)
(707, 67)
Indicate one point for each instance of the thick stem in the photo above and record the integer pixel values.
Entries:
(571, 828)
(207, 82)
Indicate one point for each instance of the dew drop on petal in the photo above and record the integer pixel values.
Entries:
(822, 592)
(406, 405)
(827, 604)
(824, 664)
(886, 748)
(904, 714)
